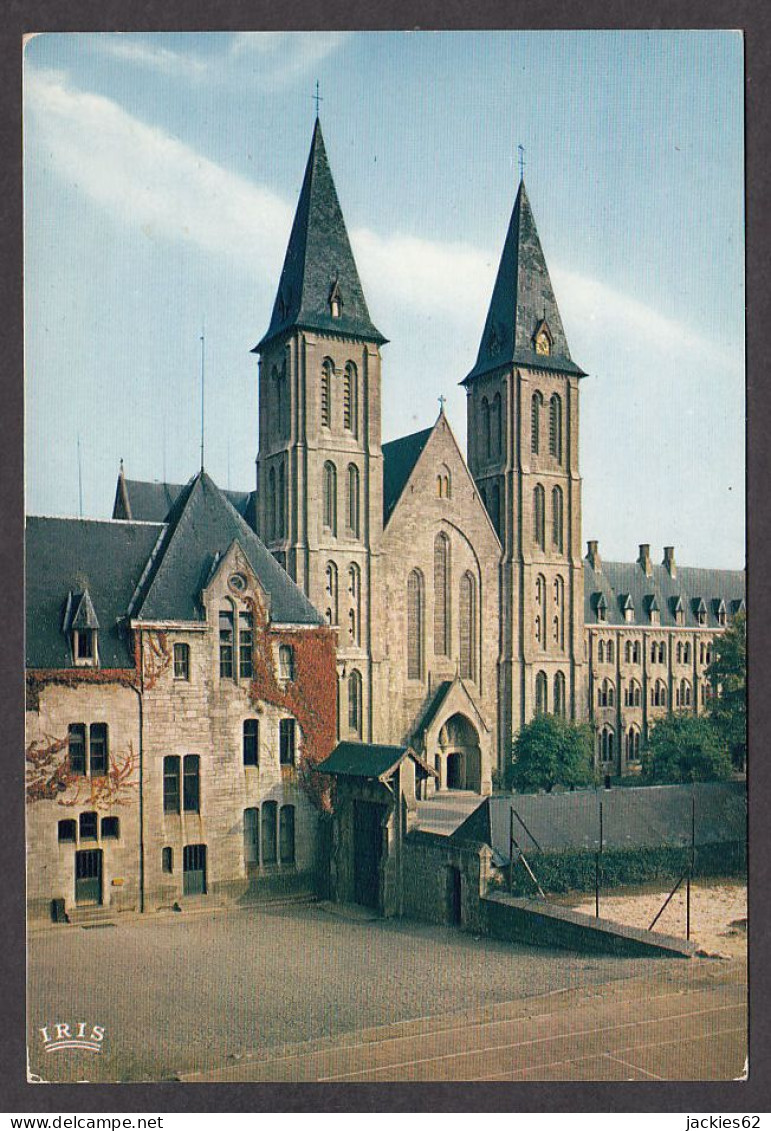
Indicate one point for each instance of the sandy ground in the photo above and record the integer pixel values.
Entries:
(718, 912)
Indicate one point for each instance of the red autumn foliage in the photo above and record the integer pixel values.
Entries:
(49, 777)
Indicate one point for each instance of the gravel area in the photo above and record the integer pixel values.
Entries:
(179, 993)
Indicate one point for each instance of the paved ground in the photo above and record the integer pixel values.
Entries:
(300, 993)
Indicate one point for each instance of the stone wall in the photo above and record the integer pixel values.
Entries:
(427, 880)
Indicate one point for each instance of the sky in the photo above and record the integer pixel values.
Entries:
(161, 176)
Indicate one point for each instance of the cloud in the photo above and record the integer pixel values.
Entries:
(268, 57)
(143, 176)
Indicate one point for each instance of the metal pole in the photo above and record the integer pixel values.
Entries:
(690, 869)
(511, 848)
(597, 866)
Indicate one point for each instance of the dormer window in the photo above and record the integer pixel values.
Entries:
(679, 611)
(721, 613)
(701, 611)
(654, 613)
(82, 627)
(627, 608)
(600, 608)
(335, 300)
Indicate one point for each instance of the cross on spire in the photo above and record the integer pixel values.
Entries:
(442, 401)
(521, 151)
(317, 98)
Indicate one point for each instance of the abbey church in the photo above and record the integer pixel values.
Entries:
(397, 595)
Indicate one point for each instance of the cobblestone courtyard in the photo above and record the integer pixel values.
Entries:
(189, 993)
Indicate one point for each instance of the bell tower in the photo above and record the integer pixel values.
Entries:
(320, 464)
(522, 410)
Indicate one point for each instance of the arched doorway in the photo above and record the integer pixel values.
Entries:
(459, 742)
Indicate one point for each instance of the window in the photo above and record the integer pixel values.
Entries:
(286, 834)
(251, 837)
(679, 651)
(68, 832)
(182, 661)
(226, 643)
(245, 641)
(354, 613)
(269, 832)
(88, 826)
(286, 742)
(659, 694)
(495, 424)
(495, 505)
(110, 828)
(98, 750)
(541, 705)
(610, 651)
(633, 745)
(606, 694)
(272, 504)
(632, 694)
(76, 748)
(559, 694)
(683, 694)
(486, 427)
(167, 860)
(415, 625)
(353, 500)
(557, 519)
(327, 369)
(468, 626)
(251, 734)
(662, 653)
(601, 652)
(351, 399)
(540, 620)
(330, 497)
(559, 618)
(442, 595)
(281, 501)
(330, 588)
(286, 663)
(606, 742)
(535, 422)
(354, 702)
(84, 644)
(171, 784)
(539, 517)
(555, 427)
(192, 784)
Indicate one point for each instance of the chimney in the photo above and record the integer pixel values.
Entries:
(645, 559)
(593, 556)
(669, 561)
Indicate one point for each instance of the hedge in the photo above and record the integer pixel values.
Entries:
(575, 870)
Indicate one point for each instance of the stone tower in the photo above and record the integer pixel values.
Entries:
(320, 464)
(522, 409)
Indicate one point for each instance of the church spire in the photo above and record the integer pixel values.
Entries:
(523, 325)
(320, 287)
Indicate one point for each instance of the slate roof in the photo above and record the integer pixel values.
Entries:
(152, 501)
(202, 526)
(71, 555)
(522, 299)
(362, 760)
(617, 581)
(318, 260)
(649, 815)
(440, 694)
(399, 458)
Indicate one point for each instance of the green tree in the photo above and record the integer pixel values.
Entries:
(550, 751)
(684, 748)
(728, 675)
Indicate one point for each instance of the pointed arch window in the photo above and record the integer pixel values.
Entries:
(354, 703)
(535, 422)
(272, 503)
(351, 399)
(487, 434)
(496, 424)
(559, 694)
(557, 525)
(442, 595)
(281, 503)
(352, 516)
(415, 625)
(468, 626)
(330, 497)
(632, 694)
(539, 517)
(330, 588)
(559, 613)
(327, 369)
(601, 652)
(606, 742)
(633, 745)
(555, 427)
(495, 506)
(541, 693)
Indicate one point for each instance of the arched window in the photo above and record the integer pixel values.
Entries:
(559, 616)
(327, 369)
(330, 587)
(281, 502)
(557, 519)
(539, 517)
(535, 422)
(496, 424)
(679, 651)
(606, 694)
(272, 503)
(269, 821)
(632, 694)
(330, 497)
(606, 744)
(286, 839)
(555, 427)
(601, 652)
(684, 693)
(415, 625)
(687, 652)
(559, 694)
(354, 613)
(659, 694)
(538, 625)
(541, 693)
(286, 662)
(251, 837)
(354, 702)
(442, 595)
(496, 507)
(487, 436)
(662, 653)
(351, 399)
(353, 500)
(610, 651)
(633, 745)
(468, 626)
